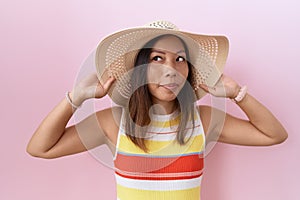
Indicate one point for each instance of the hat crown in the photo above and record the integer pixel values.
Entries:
(162, 24)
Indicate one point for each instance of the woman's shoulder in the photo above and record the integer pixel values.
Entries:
(212, 118)
(204, 110)
(115, 111)
(208, 117)
(109, 121)
(208, 111)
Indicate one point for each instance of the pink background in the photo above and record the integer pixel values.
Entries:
(42, 46)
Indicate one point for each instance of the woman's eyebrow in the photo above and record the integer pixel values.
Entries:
(157, 51)
(181, 51)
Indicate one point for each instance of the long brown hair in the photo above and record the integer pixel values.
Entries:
(137, 118)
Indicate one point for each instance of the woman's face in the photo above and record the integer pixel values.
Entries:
(167, 69)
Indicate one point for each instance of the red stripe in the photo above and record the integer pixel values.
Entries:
(188, 163)
(158, 178)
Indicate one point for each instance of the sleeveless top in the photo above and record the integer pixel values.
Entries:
(168, 171)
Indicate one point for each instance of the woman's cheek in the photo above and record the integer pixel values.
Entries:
(154, 74)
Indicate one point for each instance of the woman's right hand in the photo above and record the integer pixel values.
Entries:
(90, 87)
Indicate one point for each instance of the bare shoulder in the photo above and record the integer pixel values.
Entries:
(109, 120)
(205, 116)
(212, 120)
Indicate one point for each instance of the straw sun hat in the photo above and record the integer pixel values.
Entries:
(115, 56)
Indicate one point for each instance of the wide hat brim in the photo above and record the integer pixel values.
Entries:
(115, 56)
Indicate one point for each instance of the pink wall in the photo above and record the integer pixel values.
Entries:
(43, 44)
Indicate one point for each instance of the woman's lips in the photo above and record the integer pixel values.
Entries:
(170, 86)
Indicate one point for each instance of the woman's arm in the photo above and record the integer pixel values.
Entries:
(262, 128)
(52, 131)
(53, 139)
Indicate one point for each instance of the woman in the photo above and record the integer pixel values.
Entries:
(158, 134)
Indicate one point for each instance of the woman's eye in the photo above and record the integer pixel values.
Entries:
(157, 58)
(180, 59)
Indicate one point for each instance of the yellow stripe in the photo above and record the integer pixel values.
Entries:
(125, 193)
(195, 144)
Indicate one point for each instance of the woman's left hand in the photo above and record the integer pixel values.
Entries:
(225, 87)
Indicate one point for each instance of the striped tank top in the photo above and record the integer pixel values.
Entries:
(169, 171)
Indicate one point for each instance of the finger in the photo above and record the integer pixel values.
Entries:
(212, 90)
(208, 89)
(108, 83)
(204, 87)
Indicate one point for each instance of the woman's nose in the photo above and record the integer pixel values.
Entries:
(170, 73)
(170, 69)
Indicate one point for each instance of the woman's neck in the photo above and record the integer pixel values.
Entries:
(163, 108)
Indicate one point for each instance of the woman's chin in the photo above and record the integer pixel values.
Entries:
(165, 98)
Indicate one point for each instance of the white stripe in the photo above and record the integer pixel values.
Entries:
(171, 136)
(173, 127)
(167, 129)
(161, 185)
